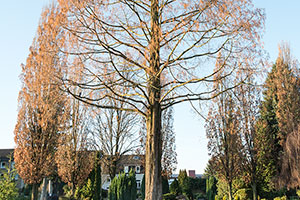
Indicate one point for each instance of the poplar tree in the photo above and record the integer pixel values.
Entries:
(41, 113)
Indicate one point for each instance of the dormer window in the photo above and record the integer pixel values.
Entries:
(136, 157)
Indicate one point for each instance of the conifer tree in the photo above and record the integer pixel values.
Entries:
(175, 188)
(279, 116)
(143, 188)
(288, 115)
(211, 187)
(96, 178)
(267, 141)
(165, 185)
(184, 183)
(123, 187)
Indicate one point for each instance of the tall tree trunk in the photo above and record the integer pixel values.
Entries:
(254, 190)
(50, 183)
(154, 138)
(230, 191)
(44, 188)
(113, 169)
(34, 192)
(153, 155)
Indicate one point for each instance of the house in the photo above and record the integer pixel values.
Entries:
(125, 164)
(7, 161)
(5, 156)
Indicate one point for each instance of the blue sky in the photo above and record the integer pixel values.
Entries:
(18, 22)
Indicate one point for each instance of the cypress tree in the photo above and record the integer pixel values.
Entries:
(96, 179)
(143, 188)
(123, 187)
(132, 185)
(165, 185)
(211, 188)
(174, 187)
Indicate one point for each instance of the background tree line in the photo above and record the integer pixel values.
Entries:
(253, 133)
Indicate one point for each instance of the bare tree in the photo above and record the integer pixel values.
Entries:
(166, 47)
(74, 157)
(222, 130)
(115, 134)
(249, 100)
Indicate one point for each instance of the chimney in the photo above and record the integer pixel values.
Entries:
(192, 173)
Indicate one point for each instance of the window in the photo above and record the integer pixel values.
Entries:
(138, 184)
(137, 169)
(126, 169)
(2, 165)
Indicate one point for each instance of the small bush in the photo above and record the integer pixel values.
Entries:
(298, 193)
(243, 194)
(280, 198)
(169, 196)
(200, 196)
(283, 198)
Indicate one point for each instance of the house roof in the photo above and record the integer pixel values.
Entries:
(125, 160)
(132, 159)
(4, 153)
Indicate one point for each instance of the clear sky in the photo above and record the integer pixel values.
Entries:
(19, 20)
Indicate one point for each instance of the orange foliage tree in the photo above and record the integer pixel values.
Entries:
(151, 55)
(41, 105)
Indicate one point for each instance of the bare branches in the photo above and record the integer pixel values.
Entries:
(121, 41)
